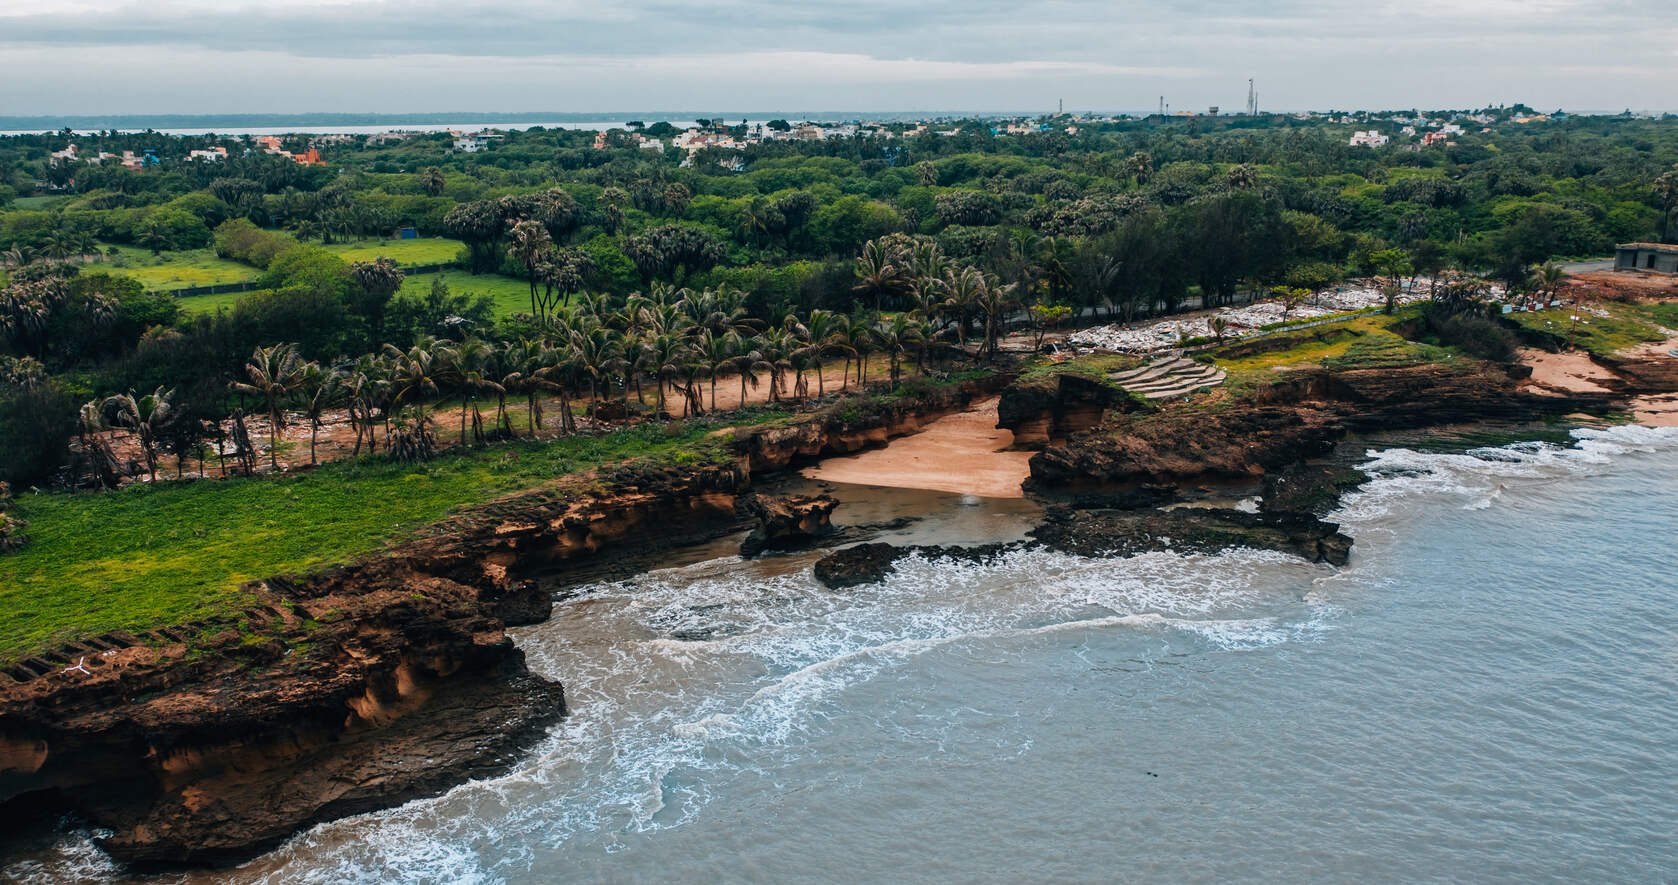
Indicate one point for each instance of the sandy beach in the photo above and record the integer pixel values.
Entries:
(962, 453)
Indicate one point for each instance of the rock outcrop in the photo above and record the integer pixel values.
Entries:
(1293, 420)
(1114, 533)
(1039, 411)
(787, 522)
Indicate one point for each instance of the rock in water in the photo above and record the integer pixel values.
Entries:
(862, 564)
(787, 522)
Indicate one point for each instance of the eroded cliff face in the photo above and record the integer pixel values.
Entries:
(1293, 420)
(373, 682)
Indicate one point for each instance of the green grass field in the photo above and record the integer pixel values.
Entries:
(176, 270)
(429, 250)
(213, 303)
(1625, 326)
(510, 295)
(151, 556)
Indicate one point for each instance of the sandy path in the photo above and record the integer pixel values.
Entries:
(959, 453)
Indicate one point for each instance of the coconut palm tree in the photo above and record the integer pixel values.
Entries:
(599, 355)
(819, 330)
(995, 302)
(321, 390)
(961, 301)
(274, 373)
(413, 373)
(747, 362)
(148, 416)
(877, 272)
(529, 243)
(663, 358)
(716, 351)
(893, 340)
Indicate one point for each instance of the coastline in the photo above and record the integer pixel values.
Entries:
(478, 574)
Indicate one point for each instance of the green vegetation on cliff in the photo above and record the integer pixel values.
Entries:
(148, 556)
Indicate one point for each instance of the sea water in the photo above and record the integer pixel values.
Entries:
(1488, 692)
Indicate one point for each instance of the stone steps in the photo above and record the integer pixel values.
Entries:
(1162, 379)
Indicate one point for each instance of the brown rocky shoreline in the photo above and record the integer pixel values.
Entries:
(213, 754)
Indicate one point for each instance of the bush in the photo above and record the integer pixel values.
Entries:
(239, 240)
(35, 427)
(1475, 336)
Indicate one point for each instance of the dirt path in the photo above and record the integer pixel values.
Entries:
(960, 453)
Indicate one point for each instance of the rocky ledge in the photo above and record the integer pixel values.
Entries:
(1115, 533)
(1297, 419)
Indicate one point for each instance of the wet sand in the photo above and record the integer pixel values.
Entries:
(961, 453)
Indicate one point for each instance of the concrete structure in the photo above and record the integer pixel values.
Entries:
(1372, 138)
(1659, 257)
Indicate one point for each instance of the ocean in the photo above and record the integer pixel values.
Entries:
(1488, 692)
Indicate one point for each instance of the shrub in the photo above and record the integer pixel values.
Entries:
(1475, 336)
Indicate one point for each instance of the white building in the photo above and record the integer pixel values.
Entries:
(472, 142)
(1371, 138)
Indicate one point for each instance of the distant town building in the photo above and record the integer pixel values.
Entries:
(1371, 138)
(1658, 257)
(68, 153)
(211, 155)
(472, 142)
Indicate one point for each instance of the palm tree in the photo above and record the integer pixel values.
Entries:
(412, 373)
(994, 303)
(660, 355)
(529, 243)
(1218, 326)
(877, 271)
(321, 389)
(716, 351)
(273, 373)
(1141, 167)
(149, 416)
(599, 355)
(777, 347)
(527, 362)
(747, 361)
(963, 290)
(1666, 188)
(819, 330)
(432, 181)
(894, 340)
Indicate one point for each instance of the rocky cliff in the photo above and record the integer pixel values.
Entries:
(372, 682)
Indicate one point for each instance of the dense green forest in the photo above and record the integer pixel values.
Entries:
(648, 263)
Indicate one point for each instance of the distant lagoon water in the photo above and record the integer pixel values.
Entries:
(590, 125)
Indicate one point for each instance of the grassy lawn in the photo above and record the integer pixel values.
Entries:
(36, 203)
(510, 295)
(428, 250)
(1625, 326)
(176, 270)
(213, 303)
(151, 556)
(1366, 342)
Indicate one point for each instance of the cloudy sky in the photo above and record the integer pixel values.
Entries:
(199, 56)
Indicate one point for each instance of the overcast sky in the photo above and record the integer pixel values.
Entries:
(394, 56)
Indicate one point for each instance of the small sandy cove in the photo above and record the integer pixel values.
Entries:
(961, 453)
(1575, 373)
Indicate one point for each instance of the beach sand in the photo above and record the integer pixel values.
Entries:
(962, 453)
